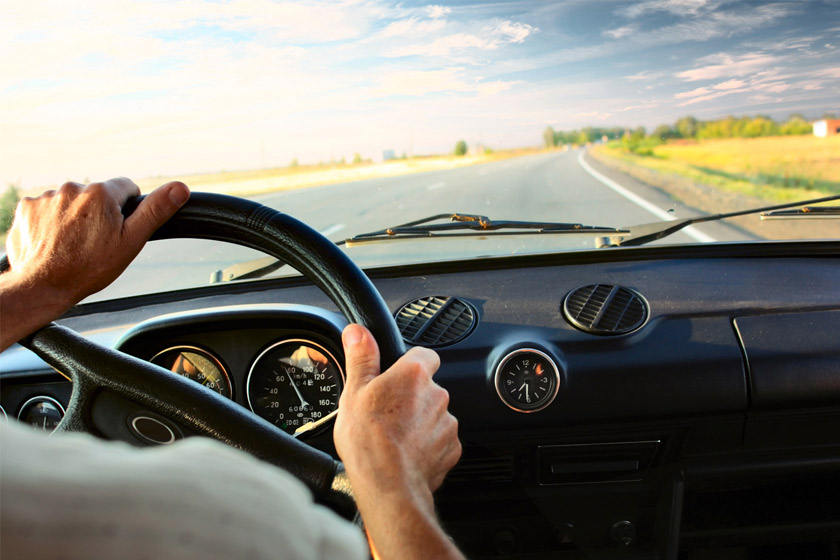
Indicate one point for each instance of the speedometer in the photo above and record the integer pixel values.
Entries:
(295, 384)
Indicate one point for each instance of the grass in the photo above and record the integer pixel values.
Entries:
(262, 181)
(775, 169)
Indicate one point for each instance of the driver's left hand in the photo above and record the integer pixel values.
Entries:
(67, 244)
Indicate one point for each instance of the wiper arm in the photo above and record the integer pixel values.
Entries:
(645, 233)
(472, 225)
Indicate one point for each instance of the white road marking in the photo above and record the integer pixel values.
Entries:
(691, 231)
(335, 228)
(436, 186)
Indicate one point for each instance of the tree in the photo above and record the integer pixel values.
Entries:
(294, 162)
(549, 138)
(687, 127)
(357, 158)
(796, 124)
(8, 204)
(460, 148)
(664, 132)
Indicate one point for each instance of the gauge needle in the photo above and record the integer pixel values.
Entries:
(303, 402)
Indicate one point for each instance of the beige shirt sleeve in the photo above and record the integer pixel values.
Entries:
(71, 496)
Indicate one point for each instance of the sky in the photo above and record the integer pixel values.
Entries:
(95, 89)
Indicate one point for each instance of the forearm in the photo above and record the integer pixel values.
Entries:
(404, 526)
(24, 308)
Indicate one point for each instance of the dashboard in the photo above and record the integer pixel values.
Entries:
(637, 403)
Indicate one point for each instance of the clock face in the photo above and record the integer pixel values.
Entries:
(527, 380)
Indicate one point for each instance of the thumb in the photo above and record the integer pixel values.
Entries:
(155, 210)
(361, 355)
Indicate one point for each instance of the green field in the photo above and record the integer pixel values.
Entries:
(775, 169)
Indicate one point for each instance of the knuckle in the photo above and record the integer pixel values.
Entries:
(96, 189)
(453, 427)
(457, 450)
(411, 367)
(68, 188)
(443, 397)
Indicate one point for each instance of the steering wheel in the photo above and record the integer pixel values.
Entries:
(224, 218)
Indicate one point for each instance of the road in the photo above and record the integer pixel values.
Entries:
(557, 186)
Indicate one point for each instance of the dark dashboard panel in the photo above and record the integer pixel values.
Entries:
(643, 423)
(793, 358)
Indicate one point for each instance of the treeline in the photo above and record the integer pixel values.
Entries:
(732, 127)
(686, 127)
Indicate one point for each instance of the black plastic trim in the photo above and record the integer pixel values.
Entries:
(759, 249)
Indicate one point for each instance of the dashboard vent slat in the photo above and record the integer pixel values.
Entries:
(435, 321)
(605, 310)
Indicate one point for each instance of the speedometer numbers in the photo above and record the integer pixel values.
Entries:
(199, 365)
(295, 385)
(527, 380)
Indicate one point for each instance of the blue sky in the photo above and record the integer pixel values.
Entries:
(146, 88)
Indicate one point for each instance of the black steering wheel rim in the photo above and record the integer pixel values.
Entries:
(247, 223)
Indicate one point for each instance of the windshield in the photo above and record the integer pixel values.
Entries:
(357, 116)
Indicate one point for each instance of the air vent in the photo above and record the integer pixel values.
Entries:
(435, 321)
(605, 310)
(597, 462)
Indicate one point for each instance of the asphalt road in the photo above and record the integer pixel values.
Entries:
(558, 186)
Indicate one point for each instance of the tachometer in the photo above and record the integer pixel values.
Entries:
(295, 384)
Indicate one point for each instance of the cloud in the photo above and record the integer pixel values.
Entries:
(723, 65)
(621, 32)
(646, 76)
(676, 7)
(693, 93)
(418, 83)
(828, 72)
(437, 12)
(729, 84)
(596, 115)
(489, 36)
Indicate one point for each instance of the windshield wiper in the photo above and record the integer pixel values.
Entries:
(247, 270)
(645, 233)
(477, 225)
(473, 225)
(806, 212)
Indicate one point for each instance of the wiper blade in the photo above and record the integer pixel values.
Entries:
(472, 225)
(806, 212)
(645, 233)
(247, 270)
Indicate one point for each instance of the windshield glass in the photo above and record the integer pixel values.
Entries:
(360, 115)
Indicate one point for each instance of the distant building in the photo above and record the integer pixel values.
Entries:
(388, 155)
(826, 127)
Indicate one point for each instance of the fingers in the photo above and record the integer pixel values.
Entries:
(119, 189)
(361, 354)
(421, 359)
(155, 210)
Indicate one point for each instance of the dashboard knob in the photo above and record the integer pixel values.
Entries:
(623, 533)
(504, 541)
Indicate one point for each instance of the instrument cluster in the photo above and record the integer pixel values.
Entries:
(294, 383)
